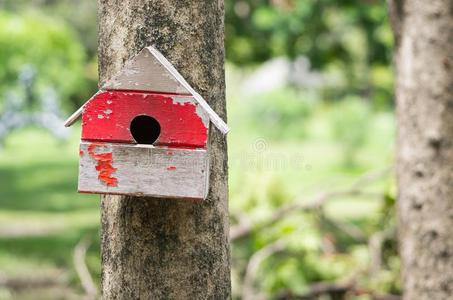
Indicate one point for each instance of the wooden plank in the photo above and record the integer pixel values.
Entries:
(145, 73)
(107, 168)
(107, 118)
(78, 113)
(74, 117)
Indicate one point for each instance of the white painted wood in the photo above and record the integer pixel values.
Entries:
(146, 170)
(215, 119)
(73, 118)
(144, 72)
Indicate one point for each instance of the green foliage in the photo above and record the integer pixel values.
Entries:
(331, 137)
(80, 15)
(350, 126)
(324, 30)
(48, 46)
(282, 113)
(351, 39)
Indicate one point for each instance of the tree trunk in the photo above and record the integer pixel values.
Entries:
(424, 94)
(159, 248)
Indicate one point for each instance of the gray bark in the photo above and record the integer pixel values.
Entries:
(159, 248)
(424, 94)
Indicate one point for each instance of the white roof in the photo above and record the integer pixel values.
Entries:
(149, 70)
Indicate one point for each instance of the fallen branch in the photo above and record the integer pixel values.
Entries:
(245, 228)
(82, 269)
(334, 290)
(375, 245)
(385, 297)
(248, 290)
(371, 177)
(348, 228)
(27, 283)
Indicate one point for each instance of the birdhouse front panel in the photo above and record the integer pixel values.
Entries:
(145, 133)
(138, 170)
(118, 116)
(144, 143)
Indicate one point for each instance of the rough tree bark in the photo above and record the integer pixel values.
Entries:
(160, 248)
(424, 94)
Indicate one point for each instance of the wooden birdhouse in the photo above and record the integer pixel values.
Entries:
(146, 133)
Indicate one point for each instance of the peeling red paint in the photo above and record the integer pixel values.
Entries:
(180, 122)
(80, 152)
(147, 92)
(104, 165)
(171, 168)
(169, 153)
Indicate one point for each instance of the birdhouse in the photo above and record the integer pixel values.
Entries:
(146, 133)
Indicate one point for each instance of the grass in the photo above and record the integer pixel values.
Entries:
(42, 217)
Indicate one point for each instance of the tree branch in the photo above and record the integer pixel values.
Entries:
(82, 269)
(335, 290)
(245, 228)
(248, 291)
(375, 244)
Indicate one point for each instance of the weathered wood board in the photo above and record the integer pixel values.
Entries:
(146, 170)
(107, 118)
(145, 72)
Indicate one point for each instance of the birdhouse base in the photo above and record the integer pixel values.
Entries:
(143, 170)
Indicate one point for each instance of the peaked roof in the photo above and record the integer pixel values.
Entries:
(149, 70)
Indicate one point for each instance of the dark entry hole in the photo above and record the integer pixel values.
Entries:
(145, 129)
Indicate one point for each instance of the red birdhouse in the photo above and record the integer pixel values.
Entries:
(146, 133)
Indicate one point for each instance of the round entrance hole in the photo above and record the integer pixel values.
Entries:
(145, 129)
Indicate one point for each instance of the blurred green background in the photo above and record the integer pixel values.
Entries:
(310, 106)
